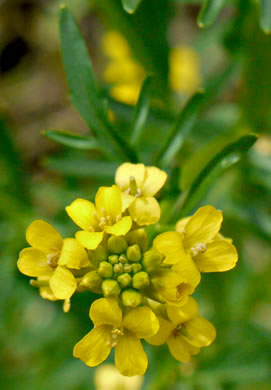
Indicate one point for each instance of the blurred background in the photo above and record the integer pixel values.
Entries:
(40, 177)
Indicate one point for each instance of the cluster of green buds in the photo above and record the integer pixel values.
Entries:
(122, 266)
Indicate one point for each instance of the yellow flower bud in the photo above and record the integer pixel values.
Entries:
(151, 260)
(127, 267)
(113, 259)
(100, 253)
(117, 244)
(136, 267)
(92, 281)
(133, 253)
(118, 268)
(131, 298)
(141, 280)
(123, 259)
(139, 237)
(105, 269)
(124, 280)
(110, 287)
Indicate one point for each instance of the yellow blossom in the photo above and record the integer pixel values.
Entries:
(184, 331)
(201, 247)
(112, 329)
(107, 377)
(184, 70)
(105, 217)
(139, 185)
(49, 259)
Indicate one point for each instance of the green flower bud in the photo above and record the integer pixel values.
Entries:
(124, 280)
(100, 253)
(152, 260)
(131, 298)
(105, 269)
(92, 281)
(123, 259)
(118, 268)
(139, 237)
(136, 267)
(133, 253)
(113, 259)
(117, 244)
(141, 280)
(127, 268)
(110, 287)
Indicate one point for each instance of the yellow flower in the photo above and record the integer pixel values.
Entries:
(122, 71)
(139, 184)
(112, 329)
(105, 217)
(184, 70)
(184, 331)
(199, 245)
(49, 258)
(107, 377)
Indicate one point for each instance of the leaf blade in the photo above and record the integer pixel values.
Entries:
(265, 16)
(209, 12)
(130, 6)
(72, 140)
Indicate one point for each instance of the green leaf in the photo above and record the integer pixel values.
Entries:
(265, 16)
(184, 123)
(85, 94)
(130, 6)
(209, 12)
(141, 111)
(72, 140)
(228, 156)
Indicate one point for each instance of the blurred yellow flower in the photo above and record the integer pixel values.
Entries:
(107, 377)
(112, 329)
(184, 331)
(105, 217)
(184, 74)
(139, 184)
(49, 258)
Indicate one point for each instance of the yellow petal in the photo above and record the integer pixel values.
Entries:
(108, 202)
(33, 262)
(187, 270)
(180, 349)
(126, 200)
(165, 330)
(62, 283)
(199, 332)
(120, 228)
(165, 278)
(73, 255)
(43, 236)
(220, 256)
(154, 181)
(130, 357)
(82, 212)
(178, 315)
(180, 226)
(95, 347)
(145, 211)
(47, 293)
(125, 171)
(202, 226)
(106, 311)
(171, 246)
(141, 321)
(89, 240)
(107, 377)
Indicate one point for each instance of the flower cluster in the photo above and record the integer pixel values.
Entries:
(146, 287)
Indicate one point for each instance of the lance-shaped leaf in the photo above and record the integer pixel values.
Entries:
(209, 12)
(141, 111)
(85, 94)
(72, 140)
(265, 15)
(228, 156)
(184, 123)
(130, 6)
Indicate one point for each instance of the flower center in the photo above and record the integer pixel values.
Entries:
(52, 259)
(197, 249)
(116, 334)
(133, 189)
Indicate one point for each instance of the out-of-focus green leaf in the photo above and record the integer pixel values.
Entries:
(72, 140)
(184, 123)
(209, 12)
(265, 15)
(141, 111)
(85, 95)
(228, 156)
(130, 6)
